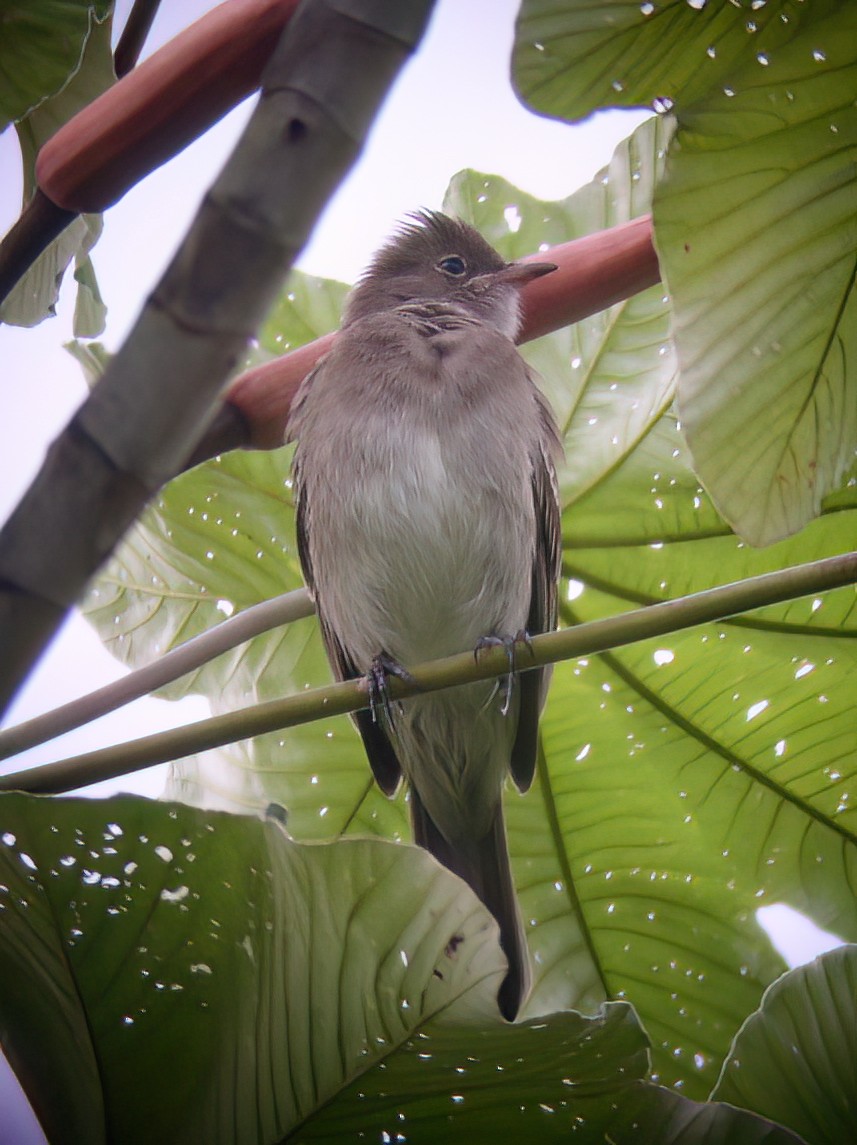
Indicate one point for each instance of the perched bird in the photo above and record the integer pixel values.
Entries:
(428, 524)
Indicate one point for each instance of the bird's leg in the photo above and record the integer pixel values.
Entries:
(508, 642)
(381, 668)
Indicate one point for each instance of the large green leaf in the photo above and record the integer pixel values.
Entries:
(35, 295)
(671, 801)
(754, 223)
(572, 56)
(133, 931)
(756, 231)
(794, 1059)
(310, 993)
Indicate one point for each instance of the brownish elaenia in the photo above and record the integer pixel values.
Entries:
(428, 524)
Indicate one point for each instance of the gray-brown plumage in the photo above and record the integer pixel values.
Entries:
(428, 521)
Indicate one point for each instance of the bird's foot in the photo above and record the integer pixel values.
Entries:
(377, 679)
(506, 684)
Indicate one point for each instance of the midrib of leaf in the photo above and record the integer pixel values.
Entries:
(84, 1010)
(706, 741)
(784, 628)
(576, 541)
(352, 815)
(592, 366)
(565, 867)
(393, 1046)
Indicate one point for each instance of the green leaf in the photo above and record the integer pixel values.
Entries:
(755, 229)
(34, 296)
(314, 993)
(41, 49)
(92, 357)
(572, 57)
(90, 313)
(543, 1081)
(794, 1059)
(282, 971)
(753, 224)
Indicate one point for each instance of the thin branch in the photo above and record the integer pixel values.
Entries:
(35, 229)
(137, 28)
(171, 666)
(337, 699)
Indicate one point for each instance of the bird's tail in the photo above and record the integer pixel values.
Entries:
(484, 865)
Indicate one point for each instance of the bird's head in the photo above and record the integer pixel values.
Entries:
(436, 258)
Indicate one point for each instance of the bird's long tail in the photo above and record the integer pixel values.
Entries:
(484, 865)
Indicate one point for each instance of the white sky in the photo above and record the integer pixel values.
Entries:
(452, 108)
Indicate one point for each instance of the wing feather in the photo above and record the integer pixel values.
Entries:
(382, 759)
(547, 557)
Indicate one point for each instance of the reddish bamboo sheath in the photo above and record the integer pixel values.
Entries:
(161, 106)
(592, 273)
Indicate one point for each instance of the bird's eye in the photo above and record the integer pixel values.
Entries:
(453, 264)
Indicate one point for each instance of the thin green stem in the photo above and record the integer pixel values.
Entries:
(179, 662)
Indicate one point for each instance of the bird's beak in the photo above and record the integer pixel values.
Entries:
(520, 273)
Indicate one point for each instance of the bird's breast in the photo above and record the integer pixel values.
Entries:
(436, 545)
(419, 503)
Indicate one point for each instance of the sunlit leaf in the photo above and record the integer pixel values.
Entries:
(573, 56)
(793, 1060)
(756, 232)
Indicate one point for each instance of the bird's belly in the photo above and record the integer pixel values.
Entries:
(435, 559)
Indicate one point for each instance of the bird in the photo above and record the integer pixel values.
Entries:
(428, 524)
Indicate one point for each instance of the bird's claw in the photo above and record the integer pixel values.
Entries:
(508, 643)
(381, 668)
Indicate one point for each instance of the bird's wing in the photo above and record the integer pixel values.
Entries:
(543, 600)
(382, 759)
